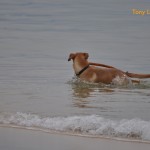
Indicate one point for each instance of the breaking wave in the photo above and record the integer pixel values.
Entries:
(92, 125)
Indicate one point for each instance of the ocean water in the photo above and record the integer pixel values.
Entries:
(37, 84)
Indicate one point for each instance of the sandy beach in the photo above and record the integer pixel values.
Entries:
(21, 139)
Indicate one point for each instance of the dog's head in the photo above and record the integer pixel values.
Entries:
(74, 55)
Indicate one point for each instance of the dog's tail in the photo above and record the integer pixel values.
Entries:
(134, 75)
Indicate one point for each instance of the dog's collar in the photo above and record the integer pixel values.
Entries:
(82, 70)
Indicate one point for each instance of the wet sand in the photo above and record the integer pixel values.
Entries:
(21, 139)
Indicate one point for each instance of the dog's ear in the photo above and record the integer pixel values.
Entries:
(71, 56)
(86, 55)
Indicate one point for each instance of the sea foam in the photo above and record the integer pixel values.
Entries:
(93, 125)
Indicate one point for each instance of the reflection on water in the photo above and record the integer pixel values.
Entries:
(83, 93)
(80, 96)
(80, 92)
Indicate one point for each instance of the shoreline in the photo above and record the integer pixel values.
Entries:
(48, 131)
(15, 138)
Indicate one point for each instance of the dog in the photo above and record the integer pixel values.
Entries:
(106, 74)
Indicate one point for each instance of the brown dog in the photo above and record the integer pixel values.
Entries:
(104, 74)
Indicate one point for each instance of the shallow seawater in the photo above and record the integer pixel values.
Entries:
(37, 84)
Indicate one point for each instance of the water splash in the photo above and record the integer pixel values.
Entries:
(117, 83)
